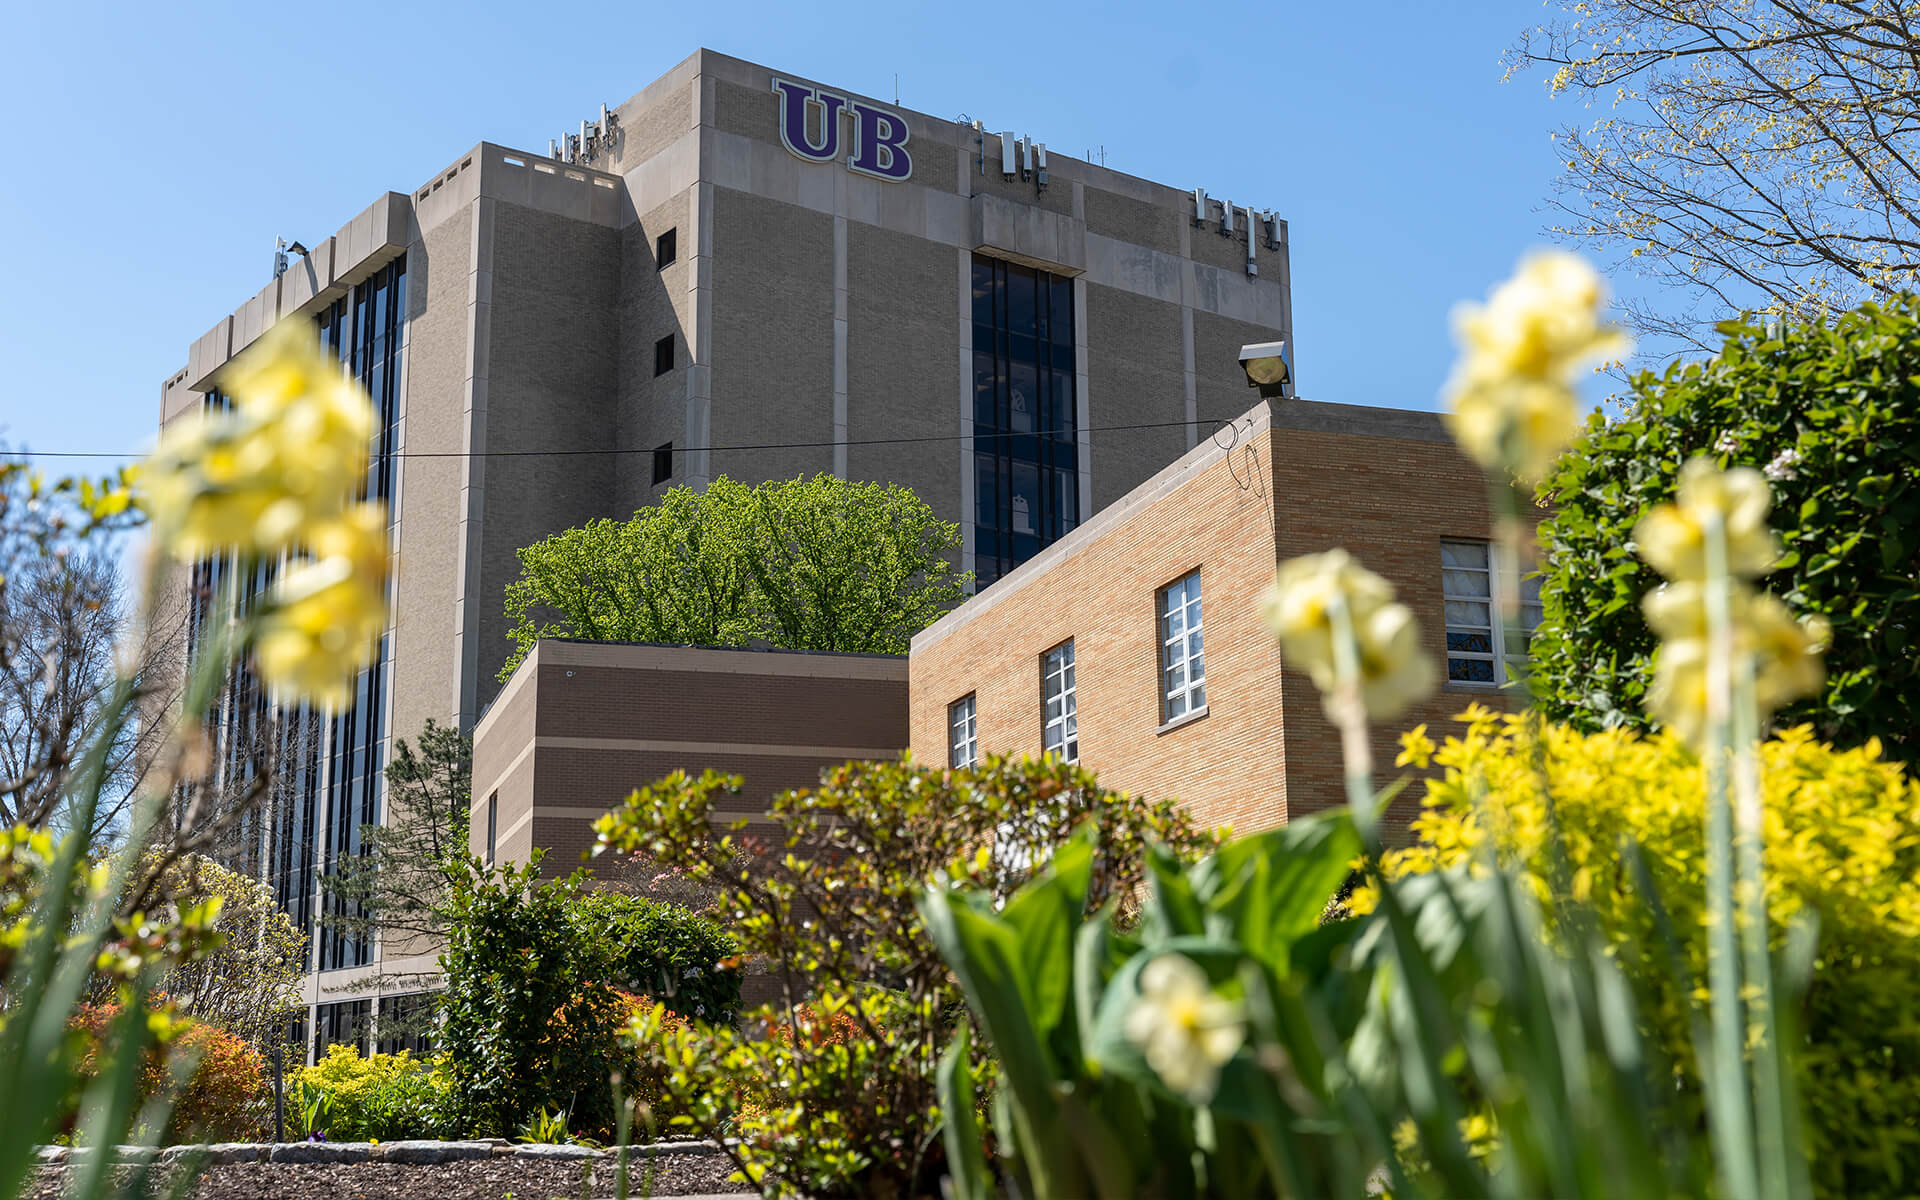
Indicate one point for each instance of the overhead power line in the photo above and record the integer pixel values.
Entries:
(828, 444)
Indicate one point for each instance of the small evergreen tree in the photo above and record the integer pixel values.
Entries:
(400, 886)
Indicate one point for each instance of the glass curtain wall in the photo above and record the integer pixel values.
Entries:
(365, 331)
(1026, 456)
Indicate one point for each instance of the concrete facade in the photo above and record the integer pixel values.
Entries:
(1262, 751)
(820, 320)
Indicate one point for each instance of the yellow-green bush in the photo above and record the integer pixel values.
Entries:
(1842, 840)
(383, 1097)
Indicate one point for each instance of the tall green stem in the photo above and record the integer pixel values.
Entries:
(1349, 712)
(1729, 1100)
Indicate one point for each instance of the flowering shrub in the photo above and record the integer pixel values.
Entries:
(1828, 414)
(1842, 842)
(225, 1099)
(381, 1097)
(846, 1102)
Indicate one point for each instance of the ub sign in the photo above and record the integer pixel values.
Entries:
(879, 146)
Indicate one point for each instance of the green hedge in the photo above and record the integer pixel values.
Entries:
(1834, 411)
(665, 952)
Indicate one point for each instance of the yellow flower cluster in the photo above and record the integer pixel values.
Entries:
(1784, 653)
(1842, 838)
(278, 474)
(1394, 671)
(1511, 399)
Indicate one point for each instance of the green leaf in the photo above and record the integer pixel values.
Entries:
(960, 1128)
(1269, 890)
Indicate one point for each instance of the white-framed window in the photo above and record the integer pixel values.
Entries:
(1061, 732)
(1477, 637)
(1183, 664)
(963, 741)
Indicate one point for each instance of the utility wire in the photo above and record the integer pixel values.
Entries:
(897, 441)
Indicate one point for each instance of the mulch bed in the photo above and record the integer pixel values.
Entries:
(501, 1178)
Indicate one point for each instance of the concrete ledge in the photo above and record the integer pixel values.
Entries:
(322, 1152)
(415, 1151)
(1028, 234)
(432, 1152)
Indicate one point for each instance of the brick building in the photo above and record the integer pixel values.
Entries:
(581, 724)
(1136, 643)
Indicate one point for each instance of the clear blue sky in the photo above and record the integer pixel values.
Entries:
(155, 150)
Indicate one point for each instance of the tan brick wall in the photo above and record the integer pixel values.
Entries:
(1136, 375)
(551, 367)
(651, 410)
(1387, 486)
(1389, 502)
(901, 319)
(429, 488)
(1227, 766)
(1126, 219)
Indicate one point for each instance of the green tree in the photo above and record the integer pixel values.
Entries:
(1747, 153)
(1831, 414)
(399, 888)
(802, 564)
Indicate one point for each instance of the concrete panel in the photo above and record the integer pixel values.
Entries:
(550, 379)
(772, 323)
(900, 364)
(429, 488)
(1136, 370)
(1029, 235)
(210, 352)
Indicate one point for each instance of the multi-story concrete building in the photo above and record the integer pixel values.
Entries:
(738, 272)
(1136, 644)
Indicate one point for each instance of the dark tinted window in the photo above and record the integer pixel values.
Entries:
(663, 355)
(664, 249)
(663, 463)
(1026, 456)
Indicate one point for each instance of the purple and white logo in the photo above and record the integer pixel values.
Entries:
(879, 145)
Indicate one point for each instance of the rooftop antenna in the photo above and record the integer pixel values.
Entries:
(896, 89)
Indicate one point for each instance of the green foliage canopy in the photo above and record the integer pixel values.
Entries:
(802, 564)
(1832, 413)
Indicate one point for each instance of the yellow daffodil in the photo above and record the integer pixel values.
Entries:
(1785, 653)
(1678, 695)
(323, 620)
(1672, 537)
(214, 482)
(292, 453)
(1511, 402)
(1300, 602)
(1394, 672)
(1787, 662)
(1183, 1029)
(1393, 669)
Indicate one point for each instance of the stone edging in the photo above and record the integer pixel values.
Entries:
(224, 1153)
